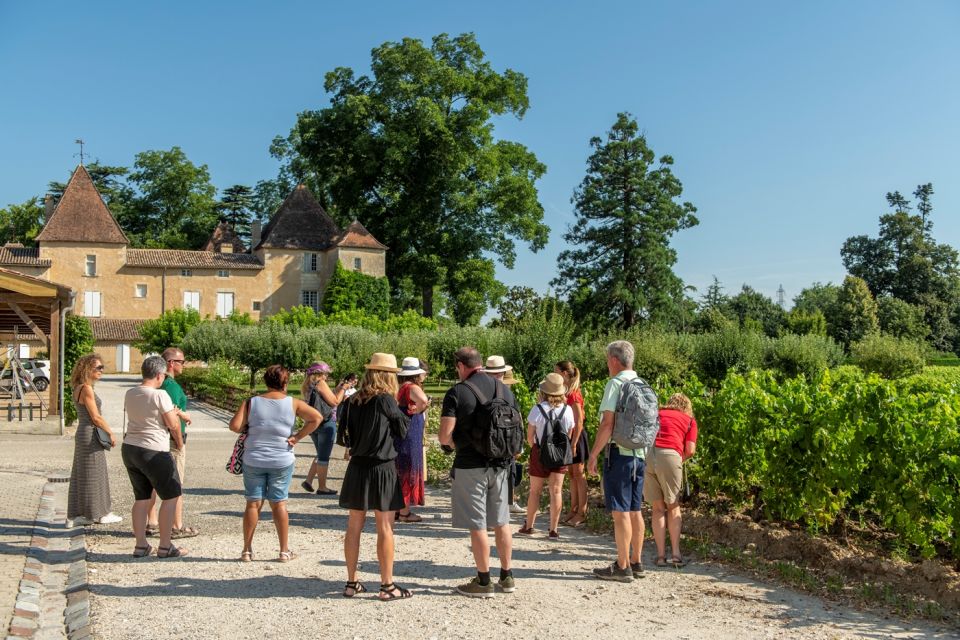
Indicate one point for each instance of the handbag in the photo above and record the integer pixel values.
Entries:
(235, 463)
(103, 438)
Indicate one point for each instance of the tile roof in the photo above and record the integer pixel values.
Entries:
(223, 234)
(20, 256)
(81, 215)
(300, 223)
(356, 235)
(182, 259)
(115, 330)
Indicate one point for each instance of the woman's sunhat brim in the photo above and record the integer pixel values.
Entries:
(410, 372)
(502, 369)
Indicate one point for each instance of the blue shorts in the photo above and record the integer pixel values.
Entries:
(272, 484)
(323, 437)
(622, 481)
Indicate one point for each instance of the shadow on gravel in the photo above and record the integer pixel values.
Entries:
(205, 491)
(245, 588)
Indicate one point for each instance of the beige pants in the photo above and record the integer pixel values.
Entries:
(180, 459)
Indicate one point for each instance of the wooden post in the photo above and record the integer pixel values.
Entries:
(54, 352)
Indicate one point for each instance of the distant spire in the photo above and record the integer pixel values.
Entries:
(781, 297)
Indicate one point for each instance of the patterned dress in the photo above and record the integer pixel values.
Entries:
(89, 494)
(410, 453)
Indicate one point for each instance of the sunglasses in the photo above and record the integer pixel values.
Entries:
(176, 361)
(99, 367)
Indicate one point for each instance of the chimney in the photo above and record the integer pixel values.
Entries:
(255, 230)
(48, 206)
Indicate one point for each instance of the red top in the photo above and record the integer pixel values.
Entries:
(403, 397)
(575, 397)
(676, 430)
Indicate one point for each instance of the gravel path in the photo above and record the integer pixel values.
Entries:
(211, 595)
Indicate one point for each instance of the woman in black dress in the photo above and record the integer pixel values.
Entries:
(368, 423)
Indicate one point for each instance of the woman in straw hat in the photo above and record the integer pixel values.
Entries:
(369, 422)
(414, 402)
(552, 406)
(317, 393)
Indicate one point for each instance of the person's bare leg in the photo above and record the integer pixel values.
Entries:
(385, 545)
(657, 521)
(578, 487)
(481, 549)
(321, 475)
(251, 516)
(281, 520)
(168, 509)
(533, 500)
(555, 488)
(574, 495)
(636, 539)
(153, 511)
(139, 518)
(673, 524)
(622, 534)
(351, 542)
(311, 473)
(504, 541)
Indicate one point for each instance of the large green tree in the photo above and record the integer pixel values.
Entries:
(21, 222)
(410, 151)
(627, 209)
(236, 206)
(904, 261)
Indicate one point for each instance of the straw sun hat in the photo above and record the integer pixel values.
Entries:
(553, 385)
(383, 362)
(496, 364)
(508, 378)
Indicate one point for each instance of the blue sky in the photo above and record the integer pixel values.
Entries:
(788, 122)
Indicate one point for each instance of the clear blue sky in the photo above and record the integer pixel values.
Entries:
(788, 122)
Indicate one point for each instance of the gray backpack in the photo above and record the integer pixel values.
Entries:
(637, 417)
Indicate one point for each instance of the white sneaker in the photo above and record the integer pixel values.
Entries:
(516, 508)
(110, 518)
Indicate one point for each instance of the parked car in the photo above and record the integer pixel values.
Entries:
(39, 370)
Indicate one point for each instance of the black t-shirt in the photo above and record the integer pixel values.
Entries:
(461, 403)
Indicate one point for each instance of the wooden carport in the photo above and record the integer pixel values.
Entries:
(33, 305)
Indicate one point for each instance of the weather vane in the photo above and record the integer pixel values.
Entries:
(80, 142)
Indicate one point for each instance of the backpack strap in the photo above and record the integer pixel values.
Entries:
(476, 391)
(546, 423)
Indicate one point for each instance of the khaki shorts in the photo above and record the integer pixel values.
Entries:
(180, 459)
(479, 498)
(663, 477)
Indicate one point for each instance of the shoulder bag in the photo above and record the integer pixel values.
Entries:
(235, 463)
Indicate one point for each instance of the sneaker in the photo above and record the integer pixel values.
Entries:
(554, 535)
(614, 572)
(110, 518)
(516, 508)
(81, 521)
(637, 569)
(507, 585)
(474, 589)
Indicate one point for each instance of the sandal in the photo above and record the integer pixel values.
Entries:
(171, 552)
(326, 492)
(393, 591)
(410, 517)
(183, 532)
(526, 531)
(353, 588)
(286, 556)
(153, 530)
(246, 556)
(142, 552)
(677, 562)
(307, 486)
(661, 561)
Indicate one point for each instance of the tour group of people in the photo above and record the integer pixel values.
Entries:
(379, 419)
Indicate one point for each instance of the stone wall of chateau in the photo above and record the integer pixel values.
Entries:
(373, 262)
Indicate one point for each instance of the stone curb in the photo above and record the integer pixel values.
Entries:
(54, 598)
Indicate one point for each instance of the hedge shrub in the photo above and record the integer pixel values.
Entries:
(890, 357)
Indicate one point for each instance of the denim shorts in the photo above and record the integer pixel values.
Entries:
(622, 481)
(270, 484)
(323, 437)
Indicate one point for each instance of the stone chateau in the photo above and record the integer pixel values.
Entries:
(290, 261)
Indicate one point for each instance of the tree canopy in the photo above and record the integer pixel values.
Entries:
(410, 151)
(627, 209)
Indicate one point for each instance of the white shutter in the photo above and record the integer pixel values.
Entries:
(91, 304)
(224, 304)
(24, 351)
(191, 300)
(123, 358)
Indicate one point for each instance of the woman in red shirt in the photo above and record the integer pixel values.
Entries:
(581, 448)
(676, 442)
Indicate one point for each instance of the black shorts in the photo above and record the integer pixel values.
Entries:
(151, 471)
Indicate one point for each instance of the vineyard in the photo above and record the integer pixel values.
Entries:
(848, 450)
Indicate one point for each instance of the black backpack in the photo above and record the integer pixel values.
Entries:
(497, 433)
(555, 449)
